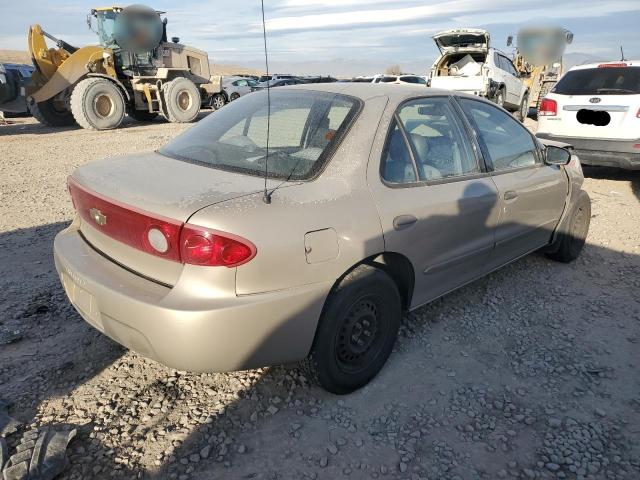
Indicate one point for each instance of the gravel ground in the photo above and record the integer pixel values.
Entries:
(530, 373)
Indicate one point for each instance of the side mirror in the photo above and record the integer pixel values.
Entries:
(557, 155)
(509, 40)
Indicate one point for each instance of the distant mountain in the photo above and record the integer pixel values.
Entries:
(572, 59)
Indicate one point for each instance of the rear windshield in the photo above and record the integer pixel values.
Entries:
(600, 81)
(305, 127)
(461, 40)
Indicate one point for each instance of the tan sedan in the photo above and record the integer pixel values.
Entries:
(378, 199)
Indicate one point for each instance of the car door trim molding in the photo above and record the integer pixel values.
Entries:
(438, 267)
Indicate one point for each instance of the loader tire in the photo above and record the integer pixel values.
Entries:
(181, 100)
(52, 114)
(97, 104)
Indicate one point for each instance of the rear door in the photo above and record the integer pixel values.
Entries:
(598, 102)
(510, 78)
(531, 194)
(437, 206)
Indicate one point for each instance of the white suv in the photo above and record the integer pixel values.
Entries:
(468, 64)
(596, 108)
(399, 79)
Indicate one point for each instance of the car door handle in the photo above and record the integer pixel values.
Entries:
(404, 221)
(510, 195)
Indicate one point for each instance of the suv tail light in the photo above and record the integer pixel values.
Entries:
(548, 108)
(157, 235)
(638, 114)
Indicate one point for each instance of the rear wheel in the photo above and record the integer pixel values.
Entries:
(570, 243)
(499, 98)
(523, 111)
(97, 104)
(182, 100)
(356, 333)
(53, 113)
(218, 101)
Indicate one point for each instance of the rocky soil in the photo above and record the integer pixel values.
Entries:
(530, 373)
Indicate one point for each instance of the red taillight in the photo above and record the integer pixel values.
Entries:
(157, 235)
(638, 114)
(548, 108)
(202, 246)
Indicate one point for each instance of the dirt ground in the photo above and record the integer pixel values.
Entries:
(529, 373)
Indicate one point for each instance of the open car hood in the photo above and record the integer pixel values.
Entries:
(462, 39)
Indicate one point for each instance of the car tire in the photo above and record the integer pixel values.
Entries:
(523, 111)
(143, 115)
(181, 100)
(97, 104)
(357, 330)
(499, 97)
(218, 101)
(52, 114)
(234, 96)
(570, 242)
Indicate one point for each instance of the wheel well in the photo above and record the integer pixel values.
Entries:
(399, 268)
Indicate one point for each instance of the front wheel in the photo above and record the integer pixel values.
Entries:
(357, 330)
(97, 104)
(570, 242)
(499, 98)
(234, 96)
(182, 100)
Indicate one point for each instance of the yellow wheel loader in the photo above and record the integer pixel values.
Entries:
(134, 70)
(538, 58)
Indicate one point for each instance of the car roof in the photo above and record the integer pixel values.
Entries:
(366, 91)
(628, 63)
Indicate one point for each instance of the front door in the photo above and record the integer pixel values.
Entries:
(532, 194)
(437, 205)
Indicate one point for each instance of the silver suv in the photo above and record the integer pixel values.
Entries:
(468, 64)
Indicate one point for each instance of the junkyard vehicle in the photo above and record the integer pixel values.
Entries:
(378, 199)
(596, 108)
(284, 82)
(538, 59)
(468, 64)
(235, 87)
(399, 79)
(14, 77)
(134, 70)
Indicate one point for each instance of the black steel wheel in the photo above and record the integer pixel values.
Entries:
(357, 331)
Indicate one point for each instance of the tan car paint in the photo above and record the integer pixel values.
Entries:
(267, 310)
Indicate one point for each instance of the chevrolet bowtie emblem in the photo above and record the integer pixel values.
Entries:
(98, 217)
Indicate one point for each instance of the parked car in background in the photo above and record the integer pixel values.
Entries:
(186, 256)
(596, 108)
(277, 83)
(14, 77)
(318, 79)
(399, 79)
(468, 64)
(235, 87)
(276, 76)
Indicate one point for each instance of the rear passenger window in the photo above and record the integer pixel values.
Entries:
(438, 140)
(504, 140)
(397, 164)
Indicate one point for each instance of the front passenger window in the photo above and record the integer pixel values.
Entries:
(503, 139)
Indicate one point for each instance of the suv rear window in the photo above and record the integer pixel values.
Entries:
(305, 127)
(600, 81)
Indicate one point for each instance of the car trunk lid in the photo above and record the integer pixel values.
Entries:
(118, 198)
(463, 39)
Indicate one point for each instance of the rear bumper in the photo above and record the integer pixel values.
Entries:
(219, 334)
(609, 153)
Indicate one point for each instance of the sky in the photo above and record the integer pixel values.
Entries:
(344, 37)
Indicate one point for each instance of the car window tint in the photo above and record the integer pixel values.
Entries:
(507, 143)
(397, 165)
(497, 60)
(388, 79)
(438, 139)
(600, 81)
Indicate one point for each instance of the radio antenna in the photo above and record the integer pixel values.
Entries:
(266, 198)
